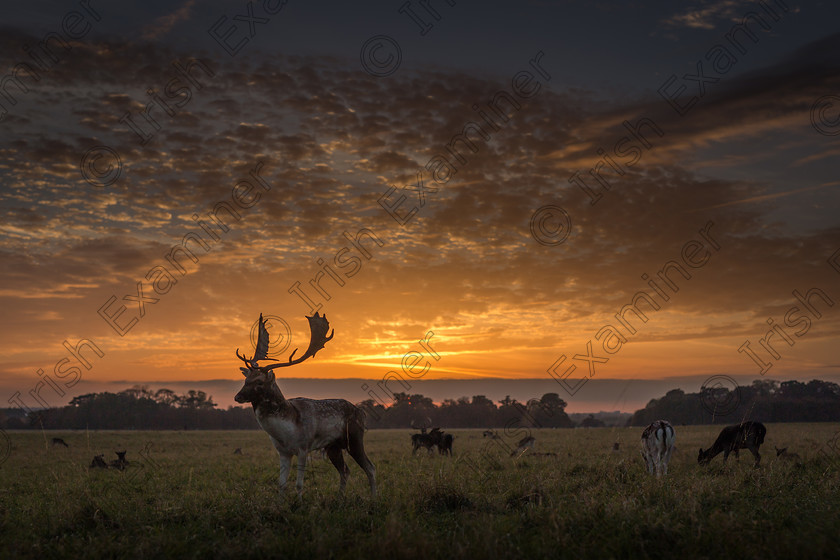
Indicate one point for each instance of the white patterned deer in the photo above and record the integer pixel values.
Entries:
(657, 446)
(298, 426)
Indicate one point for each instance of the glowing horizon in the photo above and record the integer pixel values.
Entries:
(544, 217)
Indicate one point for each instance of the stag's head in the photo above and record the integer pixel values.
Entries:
(259, 379)
(704, 457)
(257, 384)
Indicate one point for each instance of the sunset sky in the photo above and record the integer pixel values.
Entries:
(514, 173)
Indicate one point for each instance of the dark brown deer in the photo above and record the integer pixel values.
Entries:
(525, 444)
(427, 440)
(749, 435)
(445, 446)
(98, 462)
(120, 462)
(59, 441)
(657, 446)
(298, 426)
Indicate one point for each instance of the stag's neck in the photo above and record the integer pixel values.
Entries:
(271, 403)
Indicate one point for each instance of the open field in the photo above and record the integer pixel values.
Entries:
(186, 494)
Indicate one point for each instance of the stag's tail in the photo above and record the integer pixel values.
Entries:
(668, 437)
(355, 424)
(359, 417)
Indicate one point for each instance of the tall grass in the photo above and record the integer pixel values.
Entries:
(185, 494)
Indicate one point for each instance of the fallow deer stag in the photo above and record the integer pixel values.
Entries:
(749, 435)
(298, 426)
(657, 446)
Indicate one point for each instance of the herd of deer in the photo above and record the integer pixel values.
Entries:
(435, 437)
(98, 461)
(299, 426)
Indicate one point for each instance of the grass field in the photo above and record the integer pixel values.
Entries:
(186, 494)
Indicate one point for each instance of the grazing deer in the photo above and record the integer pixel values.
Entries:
(525, 444)
(445, 446)
(657, 446)
(98, 462)
(427, 440)
(237, 451)
(616, 446)
(297, 426)
(120, 462)
(783, 453)
(59, 441)
(749, 435)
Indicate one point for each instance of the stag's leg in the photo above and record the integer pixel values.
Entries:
(337, 459)
(285, 467)
(301, 468)
(356, 448)
(285, 464)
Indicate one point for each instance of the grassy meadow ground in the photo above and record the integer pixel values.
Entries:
(186, 494)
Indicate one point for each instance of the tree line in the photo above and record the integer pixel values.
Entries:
(765, 400)
(134, 409)
(141, 409)
(418, 411)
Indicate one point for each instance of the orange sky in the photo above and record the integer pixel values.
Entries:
(740, 194)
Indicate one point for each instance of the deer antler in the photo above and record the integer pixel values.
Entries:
(248, 362)
(318, 325)
(261, 351)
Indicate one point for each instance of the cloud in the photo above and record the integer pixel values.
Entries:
(164, 24)
(466, 266)
(706, 16)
